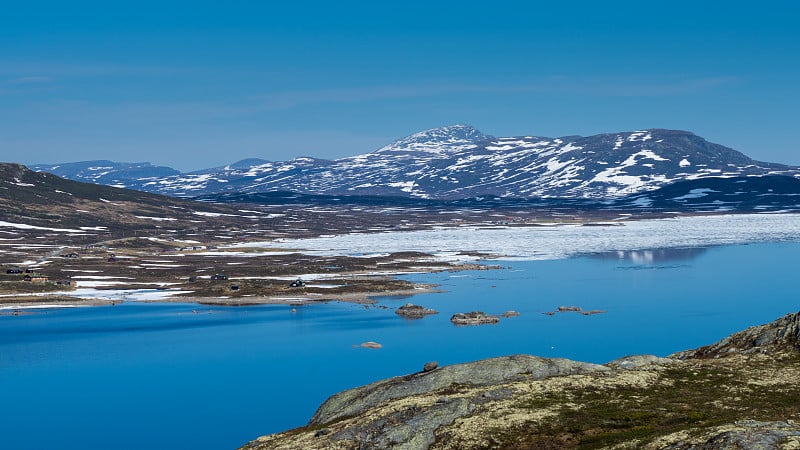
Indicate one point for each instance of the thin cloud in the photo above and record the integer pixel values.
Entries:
(16, 68)
(292, 99)
(615, 87)
(649, 88)
(30, 80)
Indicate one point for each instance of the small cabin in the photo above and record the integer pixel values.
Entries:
(35, 278)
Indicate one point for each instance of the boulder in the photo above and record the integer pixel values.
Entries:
(430, 366)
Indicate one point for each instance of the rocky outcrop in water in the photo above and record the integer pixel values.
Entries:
(412, 311)
(474, 318)
(369, 344)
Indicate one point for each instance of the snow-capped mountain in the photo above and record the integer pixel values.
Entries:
(107, 172)
(460, 162)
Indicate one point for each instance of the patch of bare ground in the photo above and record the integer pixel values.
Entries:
(210, 273)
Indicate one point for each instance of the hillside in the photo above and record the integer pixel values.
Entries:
(739, 393)
(38, 202)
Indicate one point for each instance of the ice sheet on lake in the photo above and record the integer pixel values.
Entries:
(562, 241)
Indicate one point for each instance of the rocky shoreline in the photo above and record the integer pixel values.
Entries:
(740, 392)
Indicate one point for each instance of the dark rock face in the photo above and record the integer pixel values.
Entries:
(782, 334)
(412, 311)
(474, 318)
(744, 193)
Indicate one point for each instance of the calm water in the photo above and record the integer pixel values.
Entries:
(160, 375)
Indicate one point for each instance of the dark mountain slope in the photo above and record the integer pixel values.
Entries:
(742, 194)
(34, 199)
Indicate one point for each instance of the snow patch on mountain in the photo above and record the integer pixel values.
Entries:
(695, 193)
(458, 162)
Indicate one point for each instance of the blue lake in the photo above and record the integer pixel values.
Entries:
(136, 376)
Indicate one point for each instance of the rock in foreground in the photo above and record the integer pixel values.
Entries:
(743, 396)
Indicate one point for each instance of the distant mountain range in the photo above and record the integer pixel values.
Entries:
(42, 201)
(458, 162)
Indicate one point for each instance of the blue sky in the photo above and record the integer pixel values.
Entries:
(200, 84)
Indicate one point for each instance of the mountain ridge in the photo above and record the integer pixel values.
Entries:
(459, 161)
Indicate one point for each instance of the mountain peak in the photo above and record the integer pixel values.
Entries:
(438, 140)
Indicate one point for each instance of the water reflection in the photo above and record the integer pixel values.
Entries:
(652, 256)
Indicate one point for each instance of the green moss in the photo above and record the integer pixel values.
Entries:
(683, 397)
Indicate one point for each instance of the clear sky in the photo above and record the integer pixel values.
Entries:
(200, 84)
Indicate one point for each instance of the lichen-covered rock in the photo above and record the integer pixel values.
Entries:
(484, 372)
(744, 434)
(638, 361)
(408, 428)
